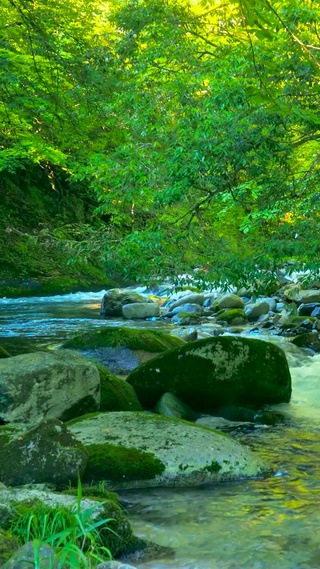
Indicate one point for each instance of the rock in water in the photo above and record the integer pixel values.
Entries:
(216, 371)
(142, 450)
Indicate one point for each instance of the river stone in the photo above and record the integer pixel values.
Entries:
(140, 310)
(294, 292)
(114, 565)
(47, 453)
(216, 371)
(254, 311)
(183, 454)
(187, 299)
(115, 298)
(60, 384)
(170, 405)
(187, 310)
(230, 301)
(116, 534)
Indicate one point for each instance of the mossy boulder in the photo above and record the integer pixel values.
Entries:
(116, 533)
(141, 450)
(47, 453)
(116, 393)
(25, 557)
(307, 340)
(170, 405)
(234, 317)
(216, 371)
(122, 349)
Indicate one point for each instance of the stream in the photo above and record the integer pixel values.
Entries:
(257, 524)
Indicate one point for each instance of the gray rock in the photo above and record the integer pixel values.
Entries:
(294, 292)
(307, 309)
(114, 565)
(230, 301)
(253, 311)
(187, 299)
(188, 309)
(116, 298)
(271, 301)
(170, 405)
(60, 384)
(47, 453)
(190, 455)
(140, 310)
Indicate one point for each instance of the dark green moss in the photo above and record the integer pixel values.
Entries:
(297, 321)
(118, 463)
(116, 394)
(147, 340)
(213, 467)
(93, 492)
(81, 418)
(4, 353)
(306, 340)
(8, 545)
(229, 315)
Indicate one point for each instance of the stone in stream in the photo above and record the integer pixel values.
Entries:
(142, 450)
(60, 384)
(216, 371)
(116, 298)
(122, 349)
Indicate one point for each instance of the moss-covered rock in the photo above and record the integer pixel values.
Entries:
(235, 316)
(216, 371)
(116, 394)
(122, 349)
(115, 299)
(115, 337)
(307, 340)
(47, 453)
(141, 450)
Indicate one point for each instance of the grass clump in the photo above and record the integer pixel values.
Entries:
(74, 534)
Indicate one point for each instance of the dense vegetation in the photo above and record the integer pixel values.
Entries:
(191, 126)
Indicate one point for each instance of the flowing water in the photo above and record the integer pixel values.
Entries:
(258, 524)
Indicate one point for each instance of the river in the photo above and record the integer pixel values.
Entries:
(257, 524)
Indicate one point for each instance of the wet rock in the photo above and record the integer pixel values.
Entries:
(170, 405)
(115, 299)
(254, 311)
(216, 371)
(25, 557)
(116, 393)
(307, 309)
(140, 310)
(194, 298)
(187, 310)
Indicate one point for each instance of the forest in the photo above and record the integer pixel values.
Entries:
(190, 127)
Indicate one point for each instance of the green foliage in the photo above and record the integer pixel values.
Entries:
(74, 534)
(202, 149)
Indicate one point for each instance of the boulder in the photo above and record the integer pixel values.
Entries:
(254, 311)
(297, 294)
(230, 301)
(216, 371)
(193, 298)
(60, 384)
(115, 298)
(116, 393)
(234, 317)
(122, 349)
(47, 453)
(25, 557)
(142, 450)
(140, 310)
(187, 309)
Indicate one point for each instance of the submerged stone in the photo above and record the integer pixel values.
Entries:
(216, 371)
